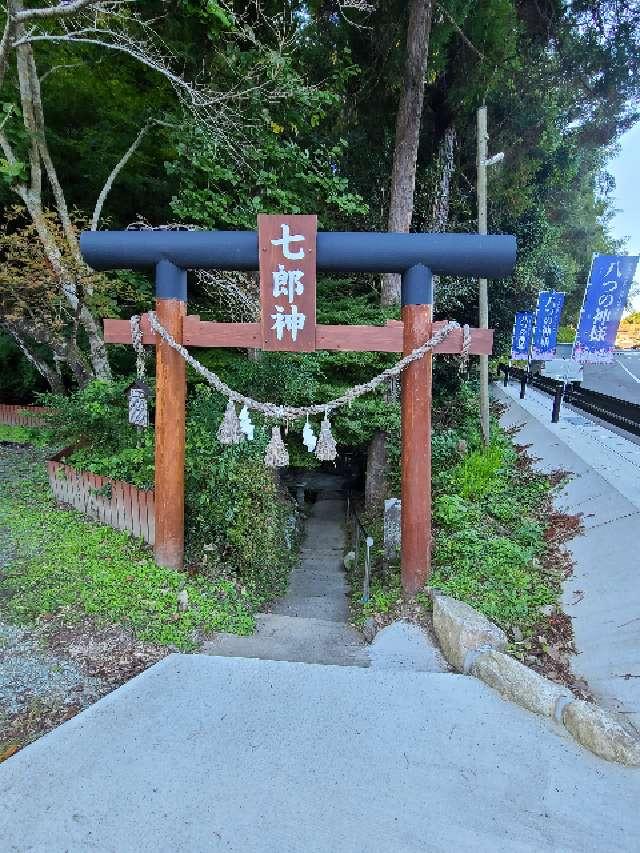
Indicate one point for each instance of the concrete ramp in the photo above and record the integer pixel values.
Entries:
(205, 753)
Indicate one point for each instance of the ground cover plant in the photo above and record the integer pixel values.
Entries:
(62, 562)
(15, 434)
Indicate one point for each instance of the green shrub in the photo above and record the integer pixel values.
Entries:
(479, 472)
(488, 513)
(493, 573)
(235, 515)
(96, 415)
(566, 334)
(134, 465)
(489, 536)
(234, 507)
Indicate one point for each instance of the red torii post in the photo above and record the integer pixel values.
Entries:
(396, 336)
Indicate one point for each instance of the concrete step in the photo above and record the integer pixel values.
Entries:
(325, 519)
(333, 554)
(306, 582)
(403, 646)
(333, 607)
(288, 638)
(328, 539)
(330, 496)
(319, 567)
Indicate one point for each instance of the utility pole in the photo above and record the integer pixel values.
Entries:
(483, 138)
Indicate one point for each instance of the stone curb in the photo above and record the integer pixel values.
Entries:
(474, 645)
(461, 631)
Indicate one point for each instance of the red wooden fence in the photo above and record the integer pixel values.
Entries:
(111, 502)
(24, 416)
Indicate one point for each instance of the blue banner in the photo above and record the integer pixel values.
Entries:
(604, 301)
(521, 335)
(548, 311)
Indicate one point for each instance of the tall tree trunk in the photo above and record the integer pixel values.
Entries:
(405, 155)
(440, 209)
(403, 184)
(33, 117)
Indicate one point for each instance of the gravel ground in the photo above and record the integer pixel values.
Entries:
(28, 672)
(52, 670)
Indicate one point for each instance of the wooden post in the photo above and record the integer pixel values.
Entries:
(415, 519)
(170, 418)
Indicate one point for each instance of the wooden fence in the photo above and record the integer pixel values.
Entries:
(111, 502)
(24, 416)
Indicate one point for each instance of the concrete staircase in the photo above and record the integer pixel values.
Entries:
(310, 623)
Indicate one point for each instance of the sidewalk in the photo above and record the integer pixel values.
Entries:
(603, 594)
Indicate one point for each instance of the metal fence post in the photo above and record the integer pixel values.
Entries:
(557, 402)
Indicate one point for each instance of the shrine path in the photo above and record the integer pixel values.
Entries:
(310, 624)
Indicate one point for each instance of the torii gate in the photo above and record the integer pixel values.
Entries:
(415, 256)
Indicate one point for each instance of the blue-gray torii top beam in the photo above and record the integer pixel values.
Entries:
(485, 256)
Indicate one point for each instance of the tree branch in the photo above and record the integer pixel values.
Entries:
(60, 11)
(56, 186)
(114, 174)
(455, 26)
(55, 68)
(5, 43)
(47, 372)
(29, 119)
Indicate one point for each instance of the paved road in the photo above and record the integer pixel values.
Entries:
(620, 379)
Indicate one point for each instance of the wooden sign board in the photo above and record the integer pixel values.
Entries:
(287, 253)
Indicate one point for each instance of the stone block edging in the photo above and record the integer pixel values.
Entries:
(474, 645)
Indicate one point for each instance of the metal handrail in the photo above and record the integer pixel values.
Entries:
(359, 532)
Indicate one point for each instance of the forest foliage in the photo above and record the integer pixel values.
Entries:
(290, 106)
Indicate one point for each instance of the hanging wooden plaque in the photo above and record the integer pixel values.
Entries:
(287, 251)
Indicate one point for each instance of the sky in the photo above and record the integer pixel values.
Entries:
(625, 168)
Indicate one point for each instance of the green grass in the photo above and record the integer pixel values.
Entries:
(19, 435)
(489, 535)
(489, 538)
(65, 562)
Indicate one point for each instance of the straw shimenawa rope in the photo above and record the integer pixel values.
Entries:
(290, 413)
